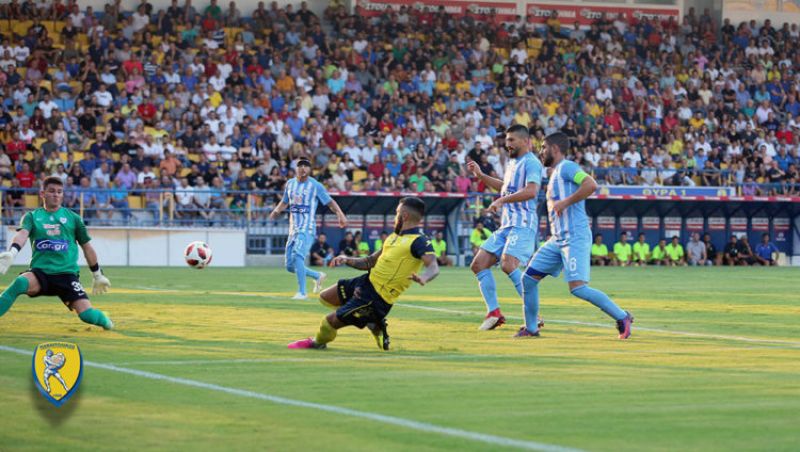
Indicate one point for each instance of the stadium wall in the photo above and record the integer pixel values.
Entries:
(156, 247)
(779, 12)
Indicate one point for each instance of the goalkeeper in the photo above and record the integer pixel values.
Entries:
(53, 231)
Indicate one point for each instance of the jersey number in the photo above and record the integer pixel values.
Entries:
(77, 287)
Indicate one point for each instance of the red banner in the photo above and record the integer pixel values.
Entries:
(375, 221)
(568, 14)
(760, 224)
(672, 223)
(651, 223)
(781, 224)
(738, 224)
(606, 222)
(630, 223)
(482, 11)
(694, 224)
(716, 223)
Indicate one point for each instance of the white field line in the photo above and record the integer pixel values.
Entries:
(492, 440)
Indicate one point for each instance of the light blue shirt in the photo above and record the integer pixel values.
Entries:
(303, 198)
(519, 173)
(573, 220)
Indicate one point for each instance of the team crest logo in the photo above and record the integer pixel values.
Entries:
(57, 370)
(63, 220)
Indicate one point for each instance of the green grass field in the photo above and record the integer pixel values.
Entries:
(198, 361)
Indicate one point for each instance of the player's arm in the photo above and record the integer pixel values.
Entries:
(359, 263)
(100, 282)
(278, 210)
(431, 270)
(587, 186)
(530, 191)
(7, 257)
(491, 182)
(334, 206)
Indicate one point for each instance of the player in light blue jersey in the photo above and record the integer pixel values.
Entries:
(302, 195)
(513, 243)
(569, 247)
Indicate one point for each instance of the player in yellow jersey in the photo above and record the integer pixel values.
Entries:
(365, 301)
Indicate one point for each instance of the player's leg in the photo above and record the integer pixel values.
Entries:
(518, 249)
(330, 297)
(318, 277)
(47, 375)
(481, 266)
(356, 311)
(88, 314)
(547, 261)
(26, 283)
(60, 380)
(576, 263)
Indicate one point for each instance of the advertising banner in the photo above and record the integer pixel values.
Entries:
(481, 11)
(585, 15)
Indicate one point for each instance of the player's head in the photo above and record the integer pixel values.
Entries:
(410, 212)
(554, 148)
(675, 239)
(623, 237)
(303, 169)
(598, 238)
(641, 237)
(49, 353)
(517, 140)
(52, 192)
(765, 237)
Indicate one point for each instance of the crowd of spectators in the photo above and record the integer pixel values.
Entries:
(200, 101)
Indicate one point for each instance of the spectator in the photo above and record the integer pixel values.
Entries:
(745, 252)
(641, 251)
(675, 252)
(714, 258)
(696, 251)
(731, 252)
(321, 251)
(362, 247)
(378, 245)
(766, 251)
(600, 252)
(623, 251)
(347, 246)
(660, 256)
(478, 237)
(440, 248)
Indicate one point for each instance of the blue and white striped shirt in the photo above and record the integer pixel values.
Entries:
(573, 220)
(303, 198)
(520, 172)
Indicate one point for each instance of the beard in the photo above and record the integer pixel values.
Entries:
(547, 160)
(398, 225)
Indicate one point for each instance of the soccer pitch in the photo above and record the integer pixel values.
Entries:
(198, 360)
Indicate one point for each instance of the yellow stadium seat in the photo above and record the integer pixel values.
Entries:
(185, 171)
(29, 155)
(359, 175)
(135, 202)
(193, 157)
(21, 27)
(62, 156)
(31, 201)
(6, 183)
(78, 155)
(249, 172)
(46, 84)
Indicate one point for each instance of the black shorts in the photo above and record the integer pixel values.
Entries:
(361, 304)
(66, 286)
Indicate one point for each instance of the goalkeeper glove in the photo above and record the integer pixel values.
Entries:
(7, 258)
(101, 283)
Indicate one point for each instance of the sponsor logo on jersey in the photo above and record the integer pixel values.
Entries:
(59, 246)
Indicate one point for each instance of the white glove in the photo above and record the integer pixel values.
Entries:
(6, 259)
(101, 283)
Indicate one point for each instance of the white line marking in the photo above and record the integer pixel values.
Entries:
(384, 357)
(791, 344)
(391, 420)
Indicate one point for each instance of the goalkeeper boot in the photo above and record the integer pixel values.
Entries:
(306, 343)
(380, 333)
(624, 326)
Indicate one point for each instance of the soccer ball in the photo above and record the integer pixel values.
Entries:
(197, 255)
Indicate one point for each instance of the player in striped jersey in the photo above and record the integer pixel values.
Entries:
(569, 247)
(513, 243)
(302, 195)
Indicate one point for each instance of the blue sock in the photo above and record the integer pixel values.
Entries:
(600, 300)
(516, 279)
(313, 274)
(530, 300)
(488, 289)
(300, 273)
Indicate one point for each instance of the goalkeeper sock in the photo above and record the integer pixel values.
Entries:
(600, 300)
(94, 316)
(326, 333)
(300, 273)
(488, 289)
(18, 287)
(516, 279)
(530, 299)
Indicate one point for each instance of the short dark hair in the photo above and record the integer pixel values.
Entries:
(559, 139)
(52, 180)
(416, 205)
(304, 162)
(519, 129)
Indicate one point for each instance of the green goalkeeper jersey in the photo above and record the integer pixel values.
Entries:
(53, 236)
